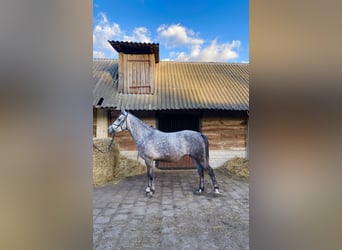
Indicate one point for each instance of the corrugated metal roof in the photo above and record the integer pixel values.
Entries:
(136, 48)
(178, 85)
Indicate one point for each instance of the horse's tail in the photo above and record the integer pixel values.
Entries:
(206, 143)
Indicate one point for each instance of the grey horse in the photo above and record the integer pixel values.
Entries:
(155, 145)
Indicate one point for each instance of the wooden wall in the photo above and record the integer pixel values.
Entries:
(136, 73)
(225, 132)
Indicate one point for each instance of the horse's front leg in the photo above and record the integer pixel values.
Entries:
(150, 175)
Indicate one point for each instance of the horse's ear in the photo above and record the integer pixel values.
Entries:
(123, 111)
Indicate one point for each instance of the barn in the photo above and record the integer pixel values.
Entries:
(209, 97)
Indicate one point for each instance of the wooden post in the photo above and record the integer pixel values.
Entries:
(152, 65)
(102, 123)
(121, 69)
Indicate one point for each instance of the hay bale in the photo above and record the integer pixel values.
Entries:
(104, 162)
(110, 165)
(128, 167)
(236, 168)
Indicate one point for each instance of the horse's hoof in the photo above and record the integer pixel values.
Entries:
(149, 194)
(199, 192)
(216, 192)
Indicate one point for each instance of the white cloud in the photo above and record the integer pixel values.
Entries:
(98, 54)
(182, 43)
(140, 34)
(176, 35)
(219, 52)
(193, 47)
(214, 52)
(104, 30)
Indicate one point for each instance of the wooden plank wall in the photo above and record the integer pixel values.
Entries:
(225, 133)
(121, 88)
(136, 73)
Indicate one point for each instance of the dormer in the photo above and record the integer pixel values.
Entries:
(136, 66)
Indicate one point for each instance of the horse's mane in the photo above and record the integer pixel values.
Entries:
(141, 122)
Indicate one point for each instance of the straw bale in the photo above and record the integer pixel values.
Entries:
(104, 162)
(128, 167)
(110, 165)
(236, 168)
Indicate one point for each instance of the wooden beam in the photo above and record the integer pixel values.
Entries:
(102, 123)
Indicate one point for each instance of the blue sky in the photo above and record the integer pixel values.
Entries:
(188, 30)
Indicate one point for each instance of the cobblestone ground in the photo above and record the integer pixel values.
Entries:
(174, 218)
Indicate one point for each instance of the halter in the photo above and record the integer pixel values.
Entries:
(112, 141)
(121, 123)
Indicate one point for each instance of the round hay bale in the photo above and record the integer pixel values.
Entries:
(236, 168)
(104, 162)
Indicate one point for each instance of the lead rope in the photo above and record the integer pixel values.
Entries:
(109, 146)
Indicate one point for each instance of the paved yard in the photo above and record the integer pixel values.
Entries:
(174, 218)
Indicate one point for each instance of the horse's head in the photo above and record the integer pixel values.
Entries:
(120, 123)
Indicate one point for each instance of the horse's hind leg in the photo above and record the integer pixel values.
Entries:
(211, 173)
(201, 175)
(150, 187)
(213, 179)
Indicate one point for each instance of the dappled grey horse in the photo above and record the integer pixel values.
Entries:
(155, 145)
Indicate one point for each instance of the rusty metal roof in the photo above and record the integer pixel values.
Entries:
(178, 85)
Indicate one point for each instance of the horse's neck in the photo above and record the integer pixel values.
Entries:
(138, 129)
